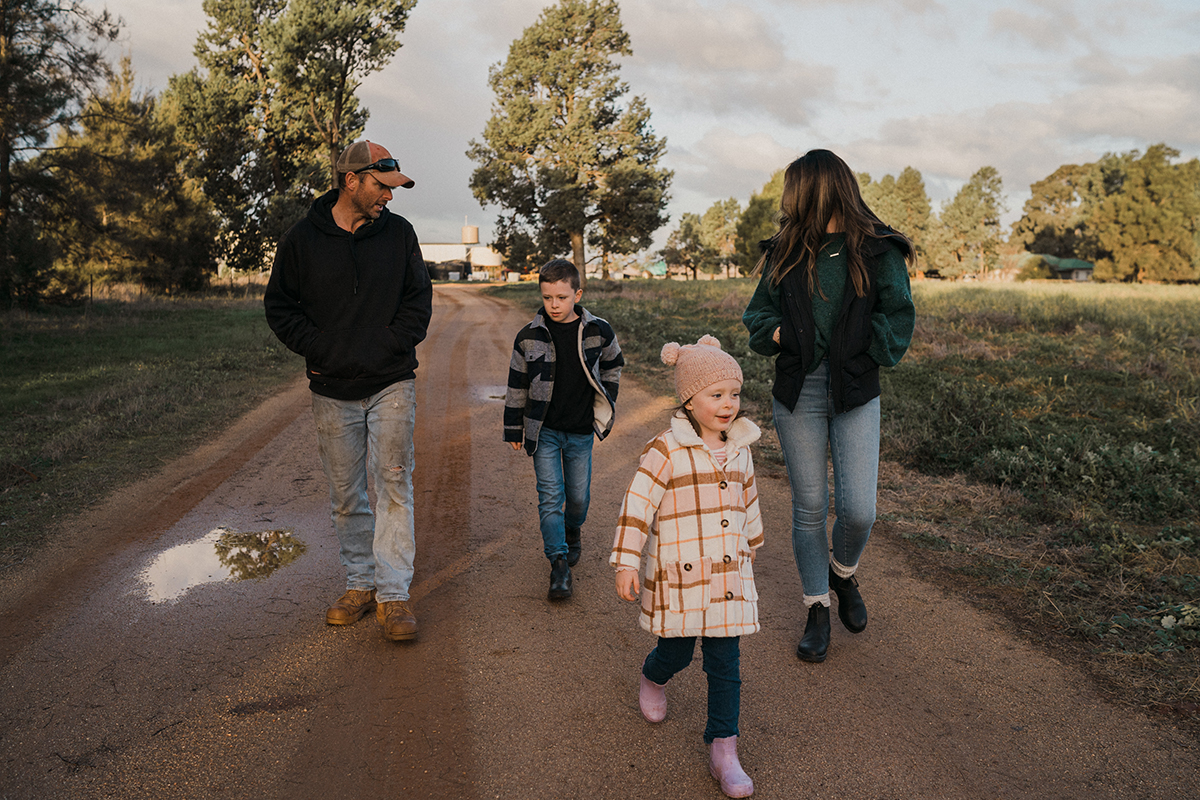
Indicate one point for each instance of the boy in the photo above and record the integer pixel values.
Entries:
(562, 388)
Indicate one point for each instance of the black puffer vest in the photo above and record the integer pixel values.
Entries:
(853, 374)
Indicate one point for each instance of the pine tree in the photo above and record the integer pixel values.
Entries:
(880, 197)
(915, 212)
(126, 211)
(758, 222)
(272, 106)
(257, 160)
(685, 249)
(969, 237)
(1147, 229)
(718, 233)
(1054, 218)
(49, 59)
(564, 161)
(322, 51)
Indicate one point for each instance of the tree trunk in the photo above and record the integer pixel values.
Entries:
(5, 209)
(578, 257)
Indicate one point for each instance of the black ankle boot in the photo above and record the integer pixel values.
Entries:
(851, 609)
(814, 644)
(574, 546)
(560, 579)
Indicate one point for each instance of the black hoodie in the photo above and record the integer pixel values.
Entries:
(355, 305)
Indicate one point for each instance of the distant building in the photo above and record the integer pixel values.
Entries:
(1069, 269)
(465, 259)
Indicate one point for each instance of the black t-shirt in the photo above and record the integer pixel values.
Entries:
(570, 409)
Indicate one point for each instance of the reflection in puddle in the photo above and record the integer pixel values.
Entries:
(222, 555)
(489, 394)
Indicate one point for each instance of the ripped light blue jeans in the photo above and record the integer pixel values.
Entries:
(810, 436)
(374, 436)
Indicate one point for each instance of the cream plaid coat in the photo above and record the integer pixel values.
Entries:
(698, 523)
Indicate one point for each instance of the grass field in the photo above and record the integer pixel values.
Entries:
(95, 399)
(1043, 441)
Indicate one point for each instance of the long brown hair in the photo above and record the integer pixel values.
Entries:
(818, 188)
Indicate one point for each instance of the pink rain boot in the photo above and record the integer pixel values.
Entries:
(724, 766)
(652, 697)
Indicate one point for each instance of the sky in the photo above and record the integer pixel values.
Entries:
(741, 87)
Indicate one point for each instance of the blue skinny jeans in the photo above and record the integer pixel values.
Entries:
(562, 463)
(810, 436)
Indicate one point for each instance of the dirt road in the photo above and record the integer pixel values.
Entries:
(132, 667)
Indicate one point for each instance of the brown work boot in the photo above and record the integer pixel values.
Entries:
(350, 607)
(397, 620)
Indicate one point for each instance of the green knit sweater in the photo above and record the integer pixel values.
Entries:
(891, 322)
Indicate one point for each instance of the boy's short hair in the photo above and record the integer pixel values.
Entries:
(559, 269)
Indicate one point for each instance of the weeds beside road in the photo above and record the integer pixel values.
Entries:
(1043, 449)
(94, 399)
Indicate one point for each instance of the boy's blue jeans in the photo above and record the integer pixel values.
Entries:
(722, 664)
(375, 435)
(563, 465)
(810, 436)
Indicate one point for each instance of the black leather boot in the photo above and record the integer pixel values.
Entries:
(560, 579)
(814, 644)
(574, 546)
(851, 609)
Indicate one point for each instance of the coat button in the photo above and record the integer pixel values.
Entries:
(724, 485)
(727, 558)
(724, 523)
(729, 595)
(687, 567)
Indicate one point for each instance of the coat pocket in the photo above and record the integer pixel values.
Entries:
(687, 584)
(733, 579)
(749, 587)
(726, 580)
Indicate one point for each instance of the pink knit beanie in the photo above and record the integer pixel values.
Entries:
(699, 365)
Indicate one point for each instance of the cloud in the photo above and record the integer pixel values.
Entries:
(159, 36)
(1052, 29)
(726, 59)
(913, 6)
(724, 163)
(1027, 141)
(1162, 103)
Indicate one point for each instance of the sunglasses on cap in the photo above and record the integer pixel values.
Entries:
(382, 165)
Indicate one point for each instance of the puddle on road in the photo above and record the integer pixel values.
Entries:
(489, 394)
(221, 555)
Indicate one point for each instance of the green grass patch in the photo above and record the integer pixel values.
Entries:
(94, 399)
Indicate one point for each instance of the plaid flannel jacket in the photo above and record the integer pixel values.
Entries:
(531, 376)
(698, 523)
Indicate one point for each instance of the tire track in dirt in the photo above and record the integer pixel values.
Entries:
(64, 571)
(412, 716)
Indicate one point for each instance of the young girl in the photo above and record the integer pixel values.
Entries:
(693, 506)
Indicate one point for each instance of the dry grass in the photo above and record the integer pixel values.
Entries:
(970, 539)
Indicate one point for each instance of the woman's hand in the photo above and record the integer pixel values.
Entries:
(627, 585)
(775, 335)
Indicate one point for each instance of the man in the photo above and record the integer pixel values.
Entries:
(349, 292)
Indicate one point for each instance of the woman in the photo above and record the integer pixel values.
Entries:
(833, 305)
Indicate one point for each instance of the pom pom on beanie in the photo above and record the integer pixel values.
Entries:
(699, 365)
